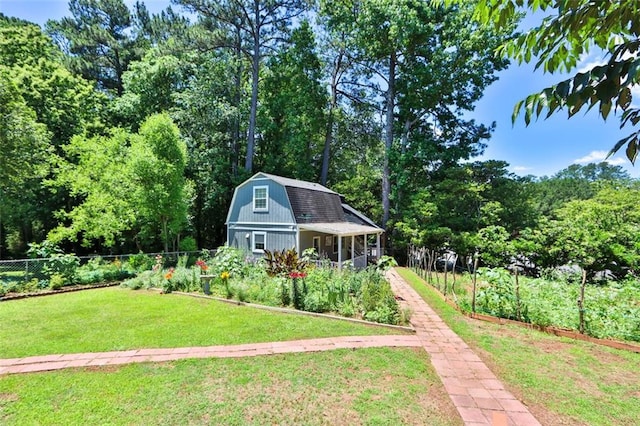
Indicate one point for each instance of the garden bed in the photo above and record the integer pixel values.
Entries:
(48, 292)
(293, 282)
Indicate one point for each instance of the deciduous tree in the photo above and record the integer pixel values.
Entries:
(572, 29)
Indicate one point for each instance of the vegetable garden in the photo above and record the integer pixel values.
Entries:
(601, 309)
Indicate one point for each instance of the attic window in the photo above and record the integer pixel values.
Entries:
(260, 198)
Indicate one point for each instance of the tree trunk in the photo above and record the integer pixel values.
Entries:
(388, 140)
(328, 140)
(235, 138)
(165, 235)
(255, 73)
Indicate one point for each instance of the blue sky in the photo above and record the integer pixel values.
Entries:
(542, 148)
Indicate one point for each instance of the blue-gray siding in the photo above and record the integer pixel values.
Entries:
(279, 208)
(277, 238)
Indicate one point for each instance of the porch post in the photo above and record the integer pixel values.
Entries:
(365, 251)
(378, 246)
(353, 248)
(339, 252)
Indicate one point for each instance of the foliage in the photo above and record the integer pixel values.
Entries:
(283, 263)
(23, 141)
(494, 246)
(611, 309)
(499, 298)
(64, 266)
(292, 109)
(158, 160)
(228, 259)
(101, 40)
(56, 281)
(128, 184)
(576, 28)
(140, 262)
(96, 170)
(386, 262)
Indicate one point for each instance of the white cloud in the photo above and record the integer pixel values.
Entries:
(520, 169)
(599, 156)
(587, 62)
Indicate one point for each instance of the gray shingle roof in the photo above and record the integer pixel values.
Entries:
(313, 206)
(294, 183)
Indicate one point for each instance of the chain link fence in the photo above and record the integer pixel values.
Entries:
(22, 270)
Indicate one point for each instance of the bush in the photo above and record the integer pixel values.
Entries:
(56, 282)
(228, 259)
(140, 262)
(188, 244)
(64, 265)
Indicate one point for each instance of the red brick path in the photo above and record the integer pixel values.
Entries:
(479, 396)
(57, 362)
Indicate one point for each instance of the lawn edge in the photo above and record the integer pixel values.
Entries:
(408, 329)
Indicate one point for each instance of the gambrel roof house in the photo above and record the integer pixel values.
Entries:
(275, 213)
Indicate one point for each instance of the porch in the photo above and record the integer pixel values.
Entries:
(341, 241)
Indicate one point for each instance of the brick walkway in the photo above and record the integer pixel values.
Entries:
(479, 396)
(57, 362)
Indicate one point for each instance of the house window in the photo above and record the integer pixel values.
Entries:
(259, 241)
(335, 244)
(260, 198)
(316, 244)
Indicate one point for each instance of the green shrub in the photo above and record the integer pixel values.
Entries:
(188, 244)
(228, 259)
(378, 301)
(65, 265)
(315, 302)
(385, 314)
(56, 282)
(146, 279)
(140, 262)
(347, 308)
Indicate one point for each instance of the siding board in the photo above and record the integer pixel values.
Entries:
(279, 208)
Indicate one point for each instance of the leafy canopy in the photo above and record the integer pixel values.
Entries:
(576, 28)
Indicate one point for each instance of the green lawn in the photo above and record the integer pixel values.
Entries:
(367, 386)
(563, 381)
(119, 319)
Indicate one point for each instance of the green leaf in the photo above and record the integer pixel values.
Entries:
(516, 111)
(605, 108)
(624, 99)
(632, 149)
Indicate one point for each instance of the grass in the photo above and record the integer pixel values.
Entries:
(119, 319)
(563, 381)
(380, 386)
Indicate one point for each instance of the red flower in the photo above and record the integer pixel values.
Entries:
(296, 274)
(203, 266)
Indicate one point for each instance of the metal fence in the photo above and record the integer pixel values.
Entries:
(28, 269)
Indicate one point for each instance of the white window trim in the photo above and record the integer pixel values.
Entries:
(253, 241)
(266, 208)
